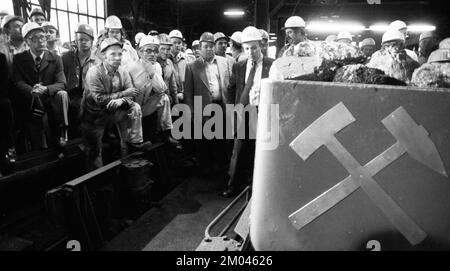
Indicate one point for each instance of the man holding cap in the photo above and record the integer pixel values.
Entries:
(76, 65)
(37, 16)
(208, 78)
(109, 98)
(40, 85)
(244, 88)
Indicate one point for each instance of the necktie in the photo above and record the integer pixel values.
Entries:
(37, 62)
(248, 85)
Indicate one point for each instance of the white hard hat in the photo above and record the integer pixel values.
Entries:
(294, 21)
(3, 12)
(264, 34)
(49, 25)
(195, 43)
(113, 22)
(391, 35)
(330, 38)
(189, 52)
(250, 33)
(425, 35)
(445, 44)
(439, 55)
(344, 35)
(138, 37)
(368, 42)
(175, 34)
(9, 18)
(149, 40)
(237, 37)
(29, 27)
(397, 25)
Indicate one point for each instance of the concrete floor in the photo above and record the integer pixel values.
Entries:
(180, 222)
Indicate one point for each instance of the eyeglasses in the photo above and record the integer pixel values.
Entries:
(39, 38)
(149, 51)
(83, 40)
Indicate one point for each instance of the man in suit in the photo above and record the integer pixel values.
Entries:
(40, 86)
(244, 88)
(208, 78)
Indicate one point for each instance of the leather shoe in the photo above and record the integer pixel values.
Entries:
(229, 192)
(11, 156)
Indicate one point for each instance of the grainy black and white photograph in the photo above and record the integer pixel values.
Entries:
(199, 126)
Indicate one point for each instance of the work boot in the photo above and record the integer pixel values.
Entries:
(229, 192)
(168, 139)
(63, 138)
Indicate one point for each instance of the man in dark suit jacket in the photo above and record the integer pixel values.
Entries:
(244, 88)
(40, 86)
(208, 78)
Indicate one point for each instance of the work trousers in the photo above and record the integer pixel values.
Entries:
(159, 102)
(57, 106)
(128, 123)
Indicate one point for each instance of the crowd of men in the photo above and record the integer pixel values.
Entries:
(51, 93)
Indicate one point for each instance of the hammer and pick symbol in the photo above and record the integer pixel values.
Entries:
(411, 138)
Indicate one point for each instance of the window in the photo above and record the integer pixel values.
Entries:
(66, 14)
(8, 6)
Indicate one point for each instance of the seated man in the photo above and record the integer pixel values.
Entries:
(146, 75)
(109, 97)
(40, 87)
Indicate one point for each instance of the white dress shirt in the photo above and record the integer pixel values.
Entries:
(256, 88)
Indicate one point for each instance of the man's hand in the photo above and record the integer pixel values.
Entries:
(113, 105)
(39, 89)
(131, 92)
(180, 96)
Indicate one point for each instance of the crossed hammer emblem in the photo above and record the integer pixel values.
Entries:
(411, 138)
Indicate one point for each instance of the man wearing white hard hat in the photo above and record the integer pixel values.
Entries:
(41, 85)
(392, 58)
(53, 41)
(236, 46)
(207, 79)
(245, 87)
(146, 75)
(138, 38)
(114, 28)
(434, 73)
(368, 47)
(196, 48)
(402, 27)
(331, 38)
(179, 60)
(295, 33)
(15, 44)
(427, 44)
(168, 69)
(221, 47)
(3, 14)
(37, 16)
(109, 97)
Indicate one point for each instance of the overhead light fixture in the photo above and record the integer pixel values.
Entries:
(421, 28)
(234, 13)
(379, 27)
(334, 27)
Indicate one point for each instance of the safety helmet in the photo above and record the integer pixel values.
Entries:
(108, 42)
(85, 29)
(49, 25)
(189, 52)
(138, 37)
(4, 12)
(30, 27)
(397, 25)
(237, 37)
(368, 42)
(330, 38)
(218, 36)
(10, 18)
(36, 11)
(176, 34)
(391, 35)
(113, 22)
(250, 33)
(153, 33)
(164, 39)
(445, 44)
(439, 55)
(344, 35)
(264, 34)
(195, 43)
(293, 22)
(149, 40)
(207, 37)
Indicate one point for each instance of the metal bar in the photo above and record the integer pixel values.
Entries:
(92, 174)
(228, 226)
(215, 220)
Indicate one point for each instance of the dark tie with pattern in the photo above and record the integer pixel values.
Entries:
(248, 85)
(37, 62)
